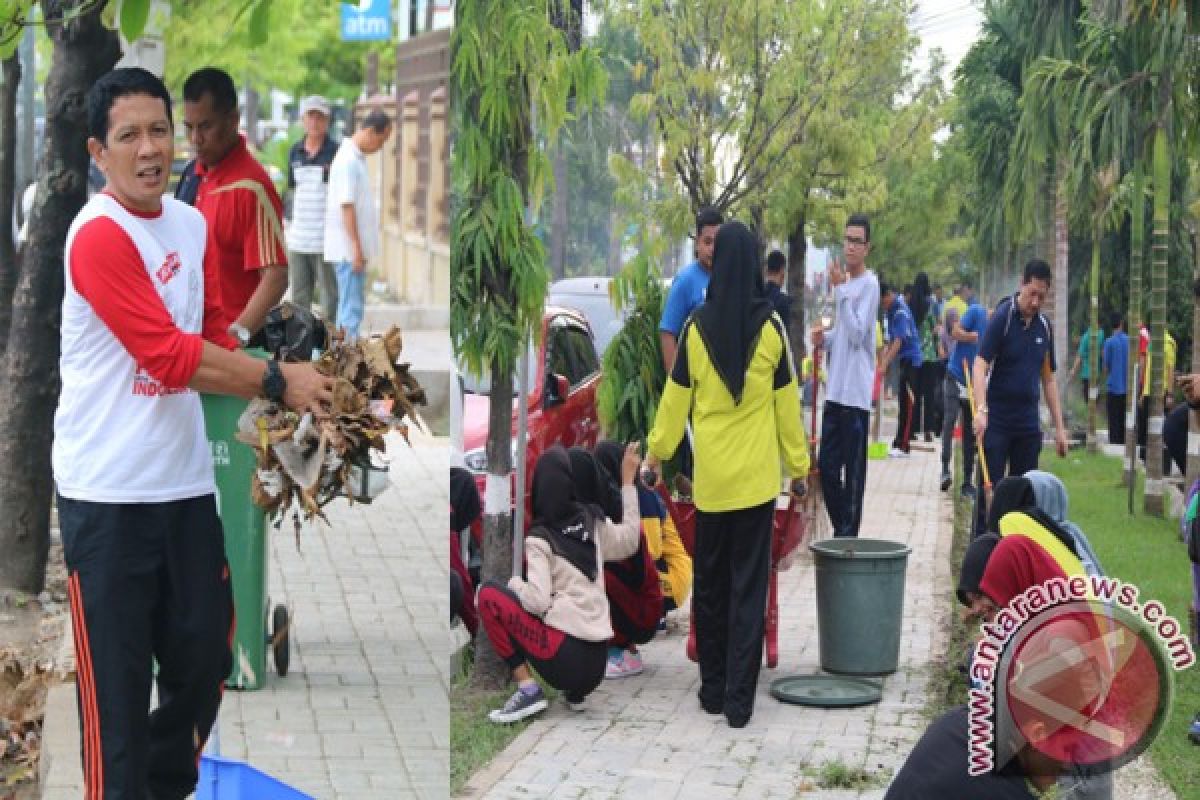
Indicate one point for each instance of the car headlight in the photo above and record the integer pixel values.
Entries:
(476, 460)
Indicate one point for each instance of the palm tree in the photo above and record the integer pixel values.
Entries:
(1128, 88)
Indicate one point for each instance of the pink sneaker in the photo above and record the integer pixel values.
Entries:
(633, 663)
(623, 665)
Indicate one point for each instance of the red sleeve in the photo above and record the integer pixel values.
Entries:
(109, 273)
(216, 325)
(1143, 342)
(261, 213)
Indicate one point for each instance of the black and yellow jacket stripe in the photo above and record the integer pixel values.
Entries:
(738, 447)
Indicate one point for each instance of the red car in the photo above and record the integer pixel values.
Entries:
(564, 374)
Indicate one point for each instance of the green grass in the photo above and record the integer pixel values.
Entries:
(836, 775)
(474, 739)
(947, 685)
(1144, 551)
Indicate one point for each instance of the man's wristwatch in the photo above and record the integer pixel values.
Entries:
(241, 333)
(273, 383)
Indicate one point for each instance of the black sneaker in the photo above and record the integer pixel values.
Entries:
(520, 706)
(947, 479)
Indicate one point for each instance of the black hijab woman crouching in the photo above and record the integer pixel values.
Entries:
(557, 616)
(733, 376)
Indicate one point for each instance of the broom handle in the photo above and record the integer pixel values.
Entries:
(987, 481)
(816, 378)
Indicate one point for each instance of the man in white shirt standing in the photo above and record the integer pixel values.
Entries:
(842, 460)
(309, 162)
(352, 218)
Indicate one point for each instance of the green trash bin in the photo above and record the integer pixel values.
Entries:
(860, 604)
(245, 547)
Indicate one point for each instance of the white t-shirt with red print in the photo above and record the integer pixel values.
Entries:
(141, 297)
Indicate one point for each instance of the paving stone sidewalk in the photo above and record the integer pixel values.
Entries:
(363, 712)
(646, 737)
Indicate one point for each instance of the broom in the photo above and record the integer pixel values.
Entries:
(816, 521)
(987, 480)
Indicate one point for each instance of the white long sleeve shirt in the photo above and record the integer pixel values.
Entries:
(851, 342)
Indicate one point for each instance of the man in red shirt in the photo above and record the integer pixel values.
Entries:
(239, 202)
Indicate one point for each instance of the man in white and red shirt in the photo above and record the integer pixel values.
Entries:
(142, 333)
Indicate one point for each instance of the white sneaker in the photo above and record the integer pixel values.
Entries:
(896, 452)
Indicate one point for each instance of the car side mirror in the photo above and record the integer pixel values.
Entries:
(556, 390)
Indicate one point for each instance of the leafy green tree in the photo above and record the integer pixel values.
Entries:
(510, 67)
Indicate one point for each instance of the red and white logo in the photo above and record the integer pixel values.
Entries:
(169, 269)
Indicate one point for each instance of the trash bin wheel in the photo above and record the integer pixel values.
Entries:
(280, 645)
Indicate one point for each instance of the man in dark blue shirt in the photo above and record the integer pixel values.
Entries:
(1017, 352)
(905, 348)
(781, 300)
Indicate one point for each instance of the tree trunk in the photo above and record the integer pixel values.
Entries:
(83, 50)
(1133, 324)
(489, 671)
(1193, 454)
(613, 258)
(428, 16)
(10, 80)
(252, 116)
(1153, 499)
(1093, 345)
(372, 74)
(559, 230)
(797, 247)
(1061, 288)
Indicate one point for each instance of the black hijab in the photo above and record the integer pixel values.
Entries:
(609, 455)
(1014, 493)
(731, 318)
(974, 561)
(465, 507)
(591, 488)
(558, 517)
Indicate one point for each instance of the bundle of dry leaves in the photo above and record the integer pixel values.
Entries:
(306, 461)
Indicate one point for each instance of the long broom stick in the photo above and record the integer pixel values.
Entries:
(987, 480)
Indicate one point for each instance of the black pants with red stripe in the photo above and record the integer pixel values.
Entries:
(572, 665)
(148, 583)
(907, 389)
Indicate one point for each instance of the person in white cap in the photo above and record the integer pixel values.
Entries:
(309, 161)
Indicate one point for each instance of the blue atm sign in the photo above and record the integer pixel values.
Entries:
(367, 21)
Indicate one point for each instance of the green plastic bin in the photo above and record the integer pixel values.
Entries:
(245, 547)
(860, 604)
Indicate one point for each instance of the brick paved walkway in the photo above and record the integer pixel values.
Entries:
(647, 737)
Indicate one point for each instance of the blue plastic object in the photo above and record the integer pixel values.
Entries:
(222, 779)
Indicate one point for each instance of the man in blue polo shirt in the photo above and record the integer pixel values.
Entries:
(1116, 365)
(965, 332)
(1017, 351)
(690, 285)
(904, 348)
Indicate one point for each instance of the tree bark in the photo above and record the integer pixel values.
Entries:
(1094, 345)
(252, 116)
(10, 80)
(1061, 288)
(1133, 324)
(1193, 457)
(1152, 501)
(490, 672)
(83, 51)
(797, 247)
(559, 230)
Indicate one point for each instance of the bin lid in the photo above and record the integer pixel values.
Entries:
(826, 691)
(852, 547)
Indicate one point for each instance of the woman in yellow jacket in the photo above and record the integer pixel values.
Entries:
(733, 376)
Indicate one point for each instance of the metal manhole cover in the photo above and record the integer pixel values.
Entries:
(826, 691)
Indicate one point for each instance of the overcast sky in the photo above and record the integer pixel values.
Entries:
(951, 25)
